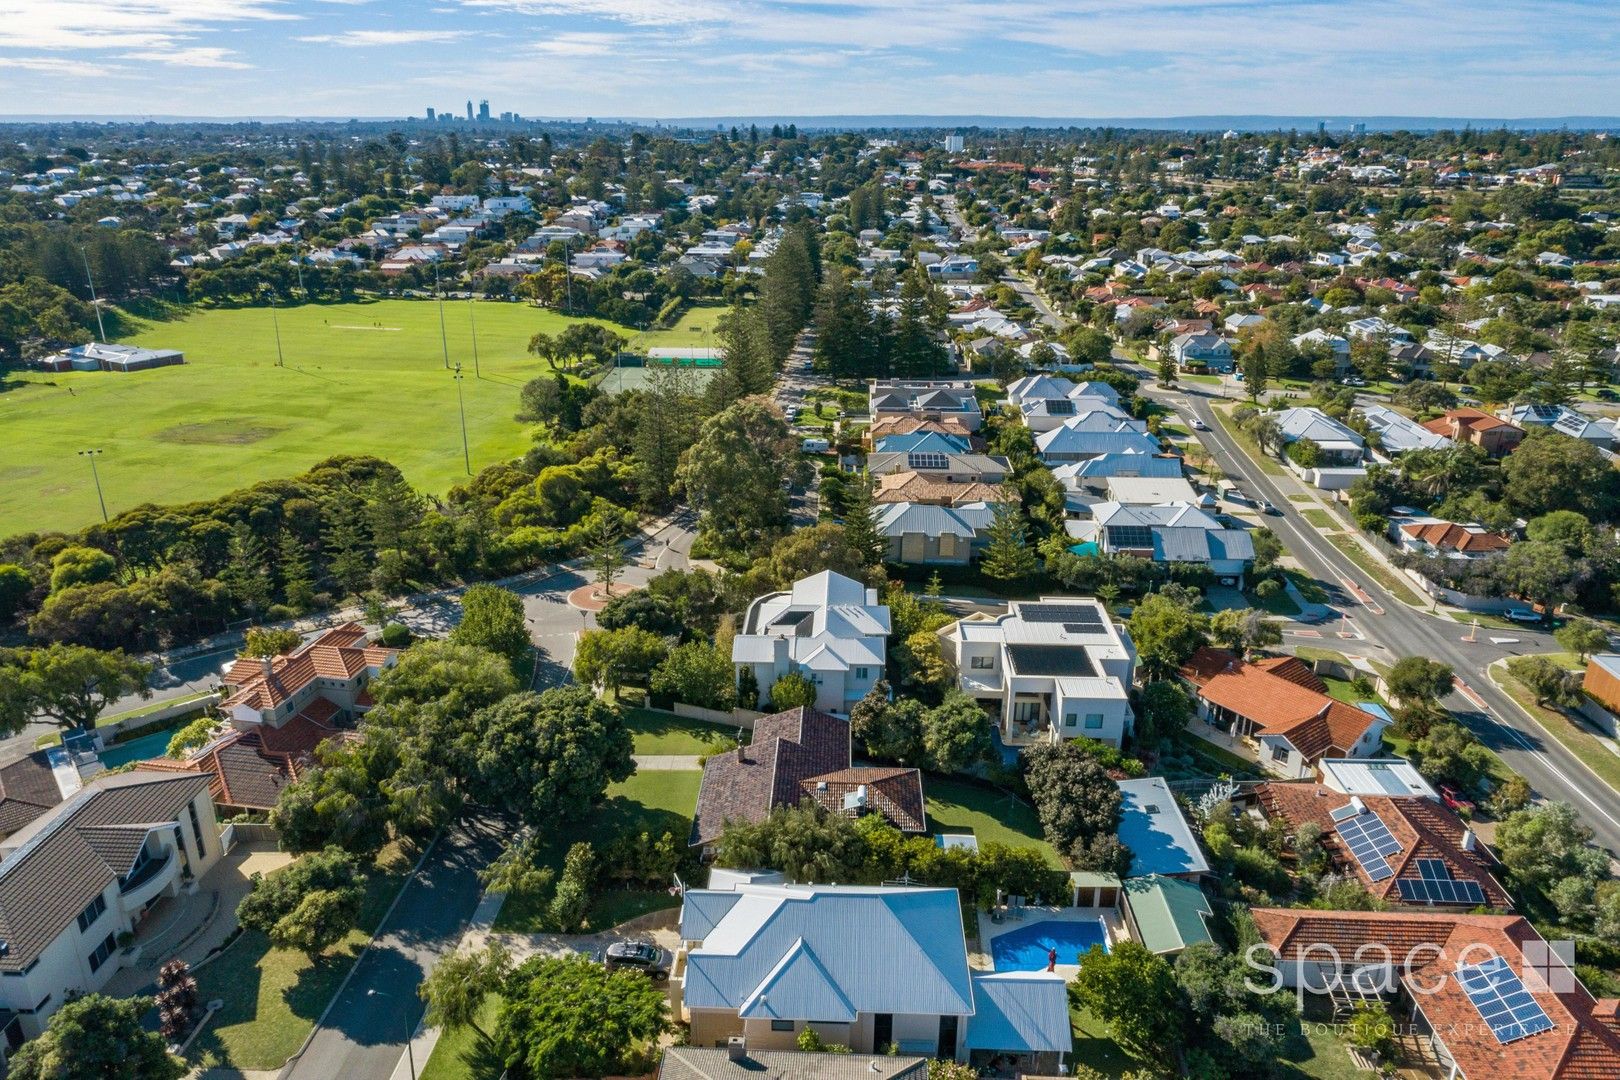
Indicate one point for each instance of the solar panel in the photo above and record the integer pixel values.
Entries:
(1369, 841)
(1059, 407)
(1440, 891)
(1348, 810)
(927, 461)
(1087, 614)
(1503, 1003)
(1130, 536)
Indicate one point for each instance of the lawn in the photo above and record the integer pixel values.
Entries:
(455, 1055)
(1278, 603)
(1095, 1048)
(956, 806)
(661, 733)
(693, 330)
(273, 996)
(1268, 464)
(360, 378)
(1578, 739)
(1379, 573)
(650, 802)
(1342, 690)
(1320, 519)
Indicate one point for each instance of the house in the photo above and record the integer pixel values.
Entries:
(736, 1061)
(1491, 434)
(1405, 849)
(1093, 435)
(884, 427)
(34, 783)
(1046, 670)
(1202, 352)
(1602, 680)
(944, 467)
(1339, 445)
(76, 878)
(1281, 709)
(1431, 536)
(1167, 915)
(1373, 328)
(1486, 993)
(925, 400)
(928, 533)
(1564, 420)
(867, 967)
(827, 627)
(1167, 533)
(1398, 434)
(278, 710)
(954, 268)
(797, 755)
(1148, 490)
(920, 442)
(1155, 830)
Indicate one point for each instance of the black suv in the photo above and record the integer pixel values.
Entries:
(638, 956)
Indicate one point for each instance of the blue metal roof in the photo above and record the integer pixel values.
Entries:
(1019, 1012)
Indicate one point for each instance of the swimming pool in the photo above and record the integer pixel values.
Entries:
(147, 746)
(1026, 948)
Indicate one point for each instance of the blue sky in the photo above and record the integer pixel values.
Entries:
(1493, 58)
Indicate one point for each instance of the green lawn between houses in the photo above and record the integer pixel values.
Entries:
(651, 802)
(957, 806)
(663, 733)
(360, 378)
(273, 996)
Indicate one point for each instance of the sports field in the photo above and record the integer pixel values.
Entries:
(364, 377)
(693, 330)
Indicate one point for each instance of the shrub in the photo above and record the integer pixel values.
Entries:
(396, 635)
(791, 691)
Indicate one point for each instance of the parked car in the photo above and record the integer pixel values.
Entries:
(1522, 615)
(1605, 394)
(641, 956)
(1354, 380)
(1466, 389)
(1454, 798)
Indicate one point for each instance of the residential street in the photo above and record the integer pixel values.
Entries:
(1395, 630)
(365, 1029)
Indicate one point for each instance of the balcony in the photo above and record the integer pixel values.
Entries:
(149, 879)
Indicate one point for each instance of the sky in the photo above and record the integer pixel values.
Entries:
(674, 58)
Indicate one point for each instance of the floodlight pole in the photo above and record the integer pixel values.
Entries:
(466, 454)
(91, 454)
(444, 341)
(93, 301)
(472, 315)
(281, 361)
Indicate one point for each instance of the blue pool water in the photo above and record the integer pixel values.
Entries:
(147, 746)
(1025, 948)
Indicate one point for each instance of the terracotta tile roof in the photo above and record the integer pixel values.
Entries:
(1466, 419)
(1313, 722)
(339, 653)
(914, 487)
(909, 425)
(1449, 536)
(895, 793)
(1425, 829)
(748, 783)
(1583, 1044)
(1294, 670)
(250, 768)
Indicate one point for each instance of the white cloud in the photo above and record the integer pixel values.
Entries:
(193, 56)
(51, 64)
(581, 43)
(365, 39)
(91, 24)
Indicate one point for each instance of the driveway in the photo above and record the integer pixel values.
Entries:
(363, 1033)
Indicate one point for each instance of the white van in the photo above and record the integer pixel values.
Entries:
(815, 446)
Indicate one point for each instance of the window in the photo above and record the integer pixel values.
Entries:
(982, 663)
(861, 673)
(104, 950)
(1071, 719)
(1094, 720)
(781, 1025)
(197, 829)
(92, 911)
(1279, 751)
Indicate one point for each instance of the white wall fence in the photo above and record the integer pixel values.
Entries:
(1485, 605)
(109, 732)
(743, 718)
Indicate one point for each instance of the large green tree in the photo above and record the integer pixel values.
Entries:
(72, 684)
(549, 757)
(737, 473)
(96, 1037)
(1134, 992)
(570, 1017)
(492, 618)
(1166, 632)
(1078, 803)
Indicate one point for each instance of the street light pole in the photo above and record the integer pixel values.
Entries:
(405, 1022)
(275, 320)
(91, 454)
(466, 454)
(472, 315)
(90, 281)
(444, 341)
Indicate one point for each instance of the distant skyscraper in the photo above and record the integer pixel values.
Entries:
(483, 111)
(1361, 129)
(430, 114)
(953, 144)
(469, 109)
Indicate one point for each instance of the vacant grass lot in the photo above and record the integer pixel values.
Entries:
(360, 378)
(955, 806)
(693, 330)
(650, 802)
(273, 996)
(661, 733)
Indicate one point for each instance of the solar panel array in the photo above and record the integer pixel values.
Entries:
(927, 461)
(1086, 614)
(1503, 1002)
(1130, 536)
(1437, 886)
(1370, 842)
(1059, 407)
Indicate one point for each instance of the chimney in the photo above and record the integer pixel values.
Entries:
(737, 1048)
(1469, 842)
(741, 754)
(269, 667)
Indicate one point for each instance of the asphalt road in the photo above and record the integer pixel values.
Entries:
(1395, 630)
(365, 1029)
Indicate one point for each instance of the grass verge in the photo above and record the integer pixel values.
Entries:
(1268, 465)
(1579, 740)
(1320, 519)
(274, 996)
(1377, 571)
